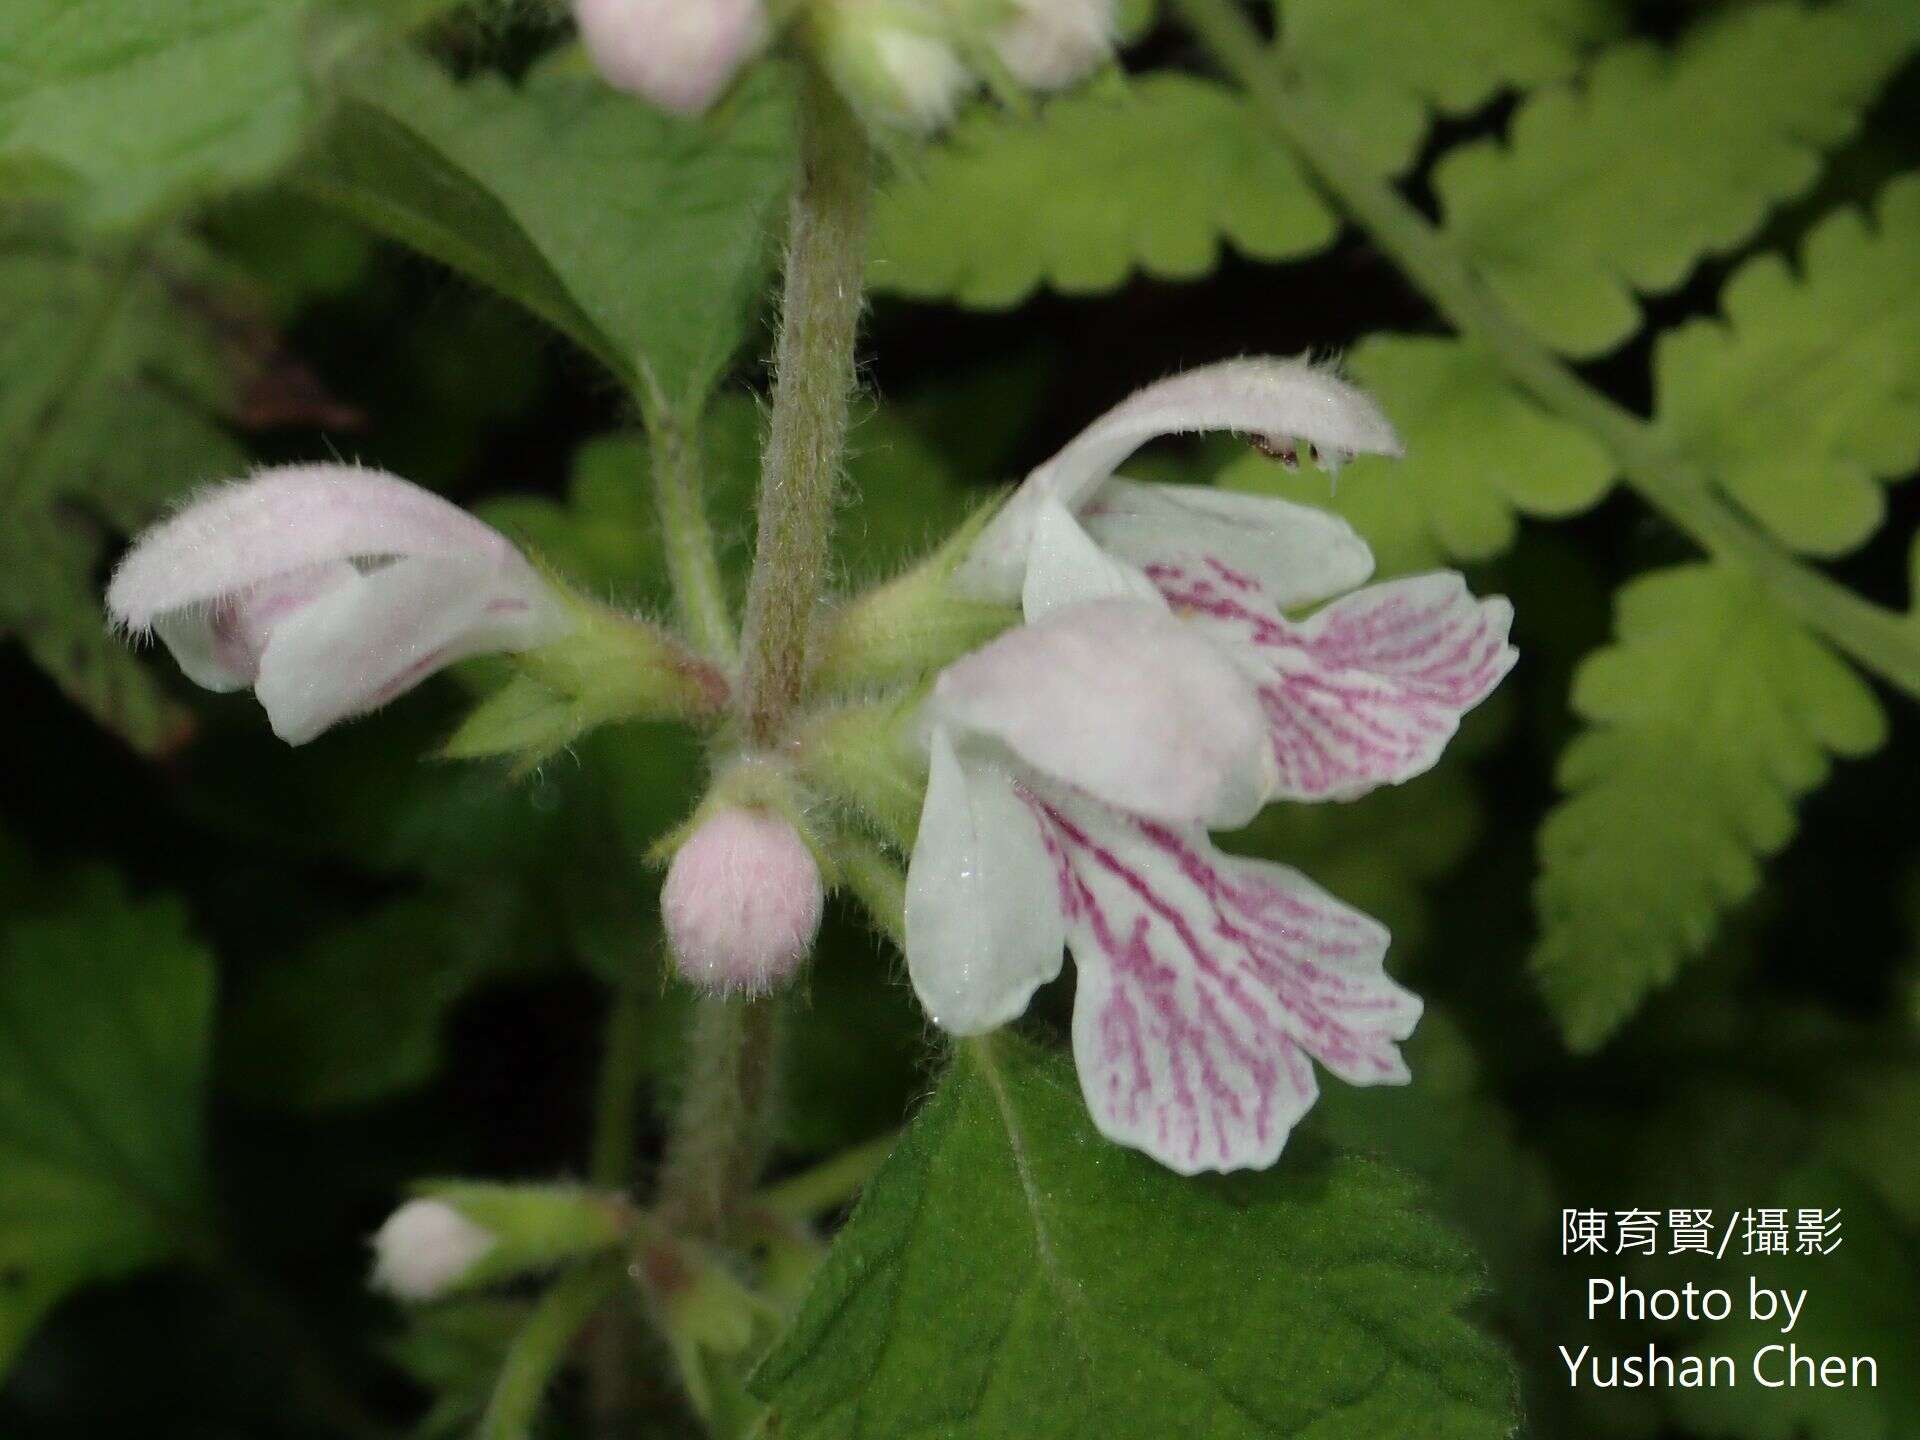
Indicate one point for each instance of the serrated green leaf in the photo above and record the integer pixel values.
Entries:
(1478, 454)
(1621, 183)
(1807, 394)
(1098, 184)
(129, 109)
(113, 386)
(1007, 1263)
(1712, 714)
(1381, 68)
(643, 238)
(105, 1018)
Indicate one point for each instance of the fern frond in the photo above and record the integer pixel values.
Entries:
(1806, 395)
(1711, 715)
(1621, 182)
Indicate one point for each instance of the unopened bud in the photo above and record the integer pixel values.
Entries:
(893, 61)
(742, 902)
(1051, 44)
(676, 54)
(425, 1249)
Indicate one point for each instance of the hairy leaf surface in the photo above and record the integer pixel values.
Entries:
(644, 239)
(130, 108)
(1008, 1263)
(1711, 715)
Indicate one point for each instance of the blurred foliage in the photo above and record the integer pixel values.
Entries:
(247, 995)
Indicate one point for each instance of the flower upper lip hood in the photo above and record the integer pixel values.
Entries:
(329, 589)
(1304, 554)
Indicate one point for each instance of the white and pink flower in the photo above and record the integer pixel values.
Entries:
(329, 590)
(1160, 690)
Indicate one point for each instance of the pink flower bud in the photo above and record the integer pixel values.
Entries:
(425, 1248)
(742, 902)
(676, 54)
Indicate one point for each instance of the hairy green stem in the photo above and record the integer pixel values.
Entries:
(693, 564)
(720, 1131)
(813, 380)
(614, 1380)
(1882, 640)
(719, 1135)
(542, 1346)
(615, 1111)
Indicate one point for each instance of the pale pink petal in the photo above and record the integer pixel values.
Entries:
(1065, 567)
(1295, 554)
(1205, 983)
(984, 922)
(362, 644)
(1285, 404)
(1123, 701)
(284, 520)
(1275, 401)
(1369, 690)
(218, 646)
(676, 54)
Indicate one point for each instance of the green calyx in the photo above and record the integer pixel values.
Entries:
(610, 667)
(534, 1228)
(710, 1320)
(864, 757)
(913, 625)
(753, 781)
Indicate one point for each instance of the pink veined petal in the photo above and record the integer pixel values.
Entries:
(1065, 567)
(1205, 983)
(283, 520)
(1294, 554)
(984, 923)
(362, 644)
(1369, 690)
(1262, 396)
(1121, 700)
